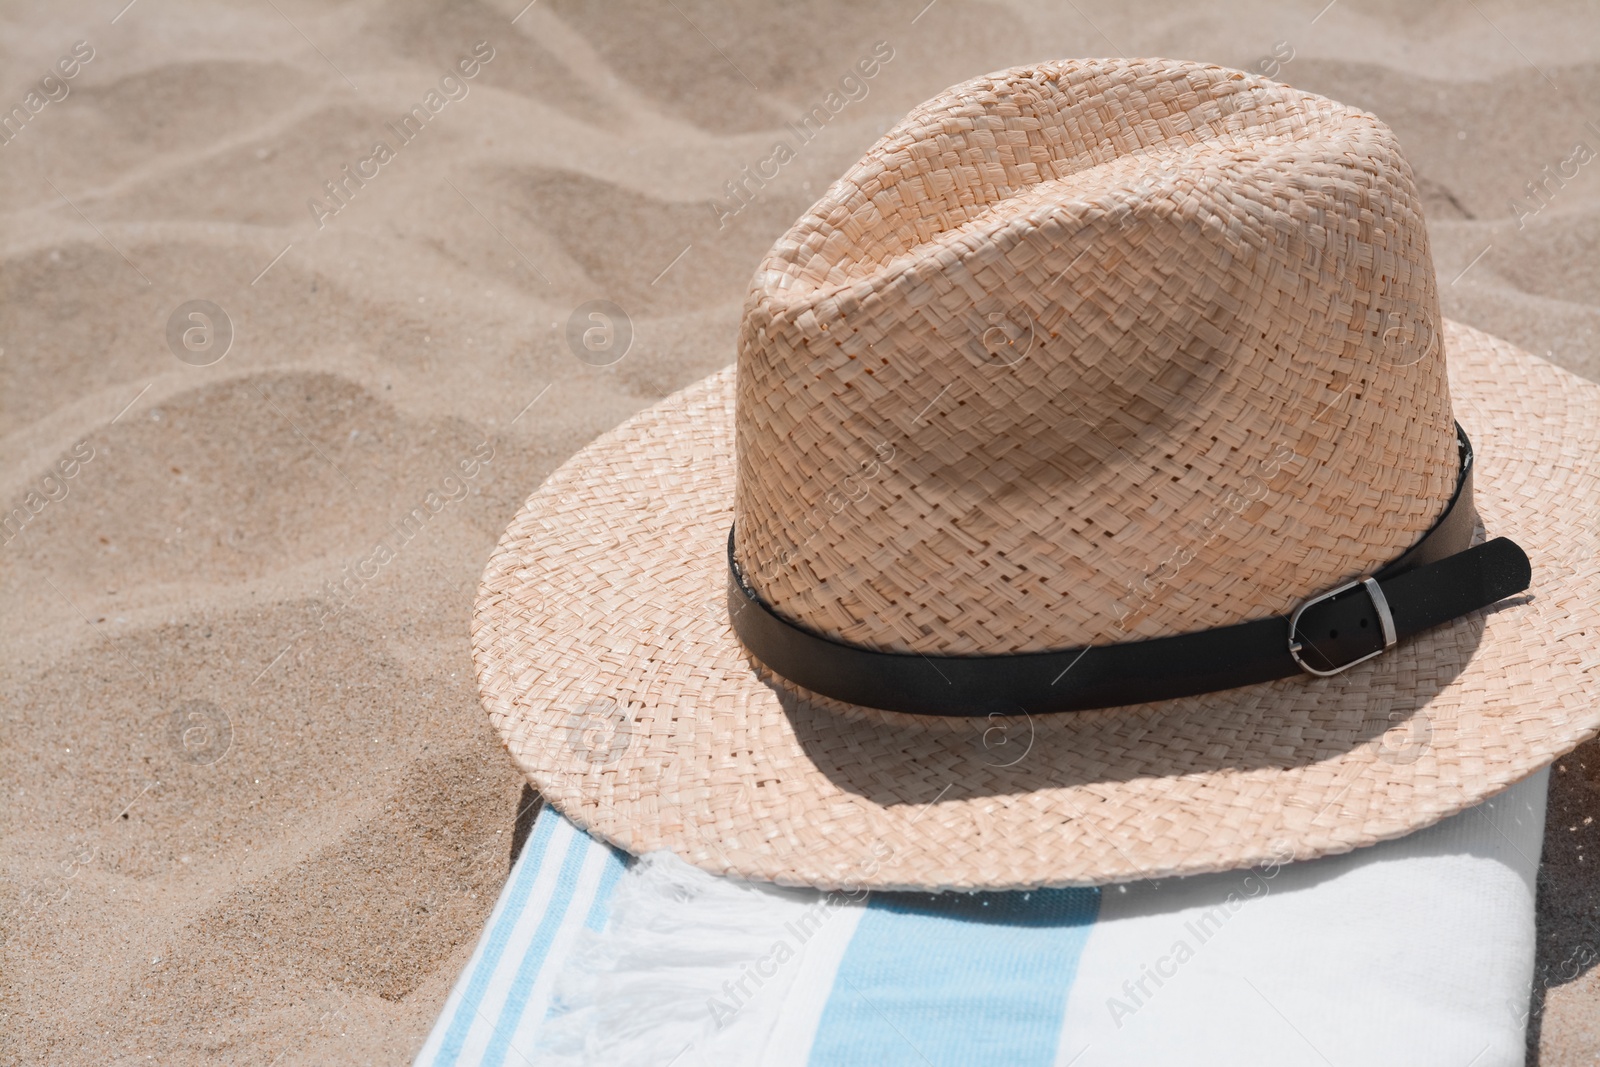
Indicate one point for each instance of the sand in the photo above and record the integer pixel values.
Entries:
(252, 813)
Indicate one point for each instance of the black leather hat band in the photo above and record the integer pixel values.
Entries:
(1438, 579)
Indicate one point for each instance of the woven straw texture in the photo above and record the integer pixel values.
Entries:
(1077, 353)
(1050, 324)
(606, 662)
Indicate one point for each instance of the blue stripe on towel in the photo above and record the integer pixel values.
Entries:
(561, 884)
(956, 979)
(533, 956)
(494, 944)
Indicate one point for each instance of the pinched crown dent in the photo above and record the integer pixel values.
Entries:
(1092, 350)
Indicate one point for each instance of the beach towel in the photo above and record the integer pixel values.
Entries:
(1415, 951)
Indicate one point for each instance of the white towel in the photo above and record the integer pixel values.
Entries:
(1413, 952)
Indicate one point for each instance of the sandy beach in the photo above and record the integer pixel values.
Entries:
(286, 305)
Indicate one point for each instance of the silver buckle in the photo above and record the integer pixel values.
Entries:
(1385, 621)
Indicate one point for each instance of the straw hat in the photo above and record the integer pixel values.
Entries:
(1137, 357)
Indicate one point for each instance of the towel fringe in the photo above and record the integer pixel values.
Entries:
(689, 960)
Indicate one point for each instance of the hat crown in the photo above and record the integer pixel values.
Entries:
(1087, 351)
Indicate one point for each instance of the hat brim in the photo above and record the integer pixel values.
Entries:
(606, 662)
